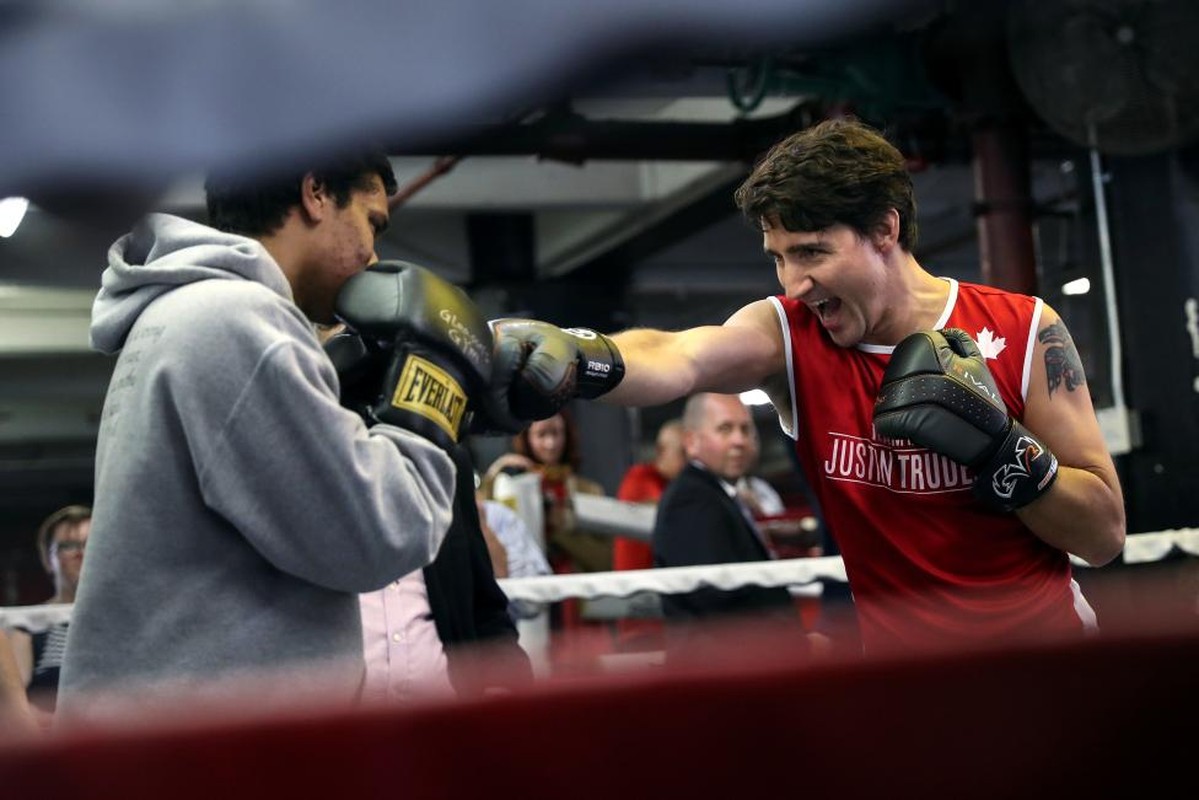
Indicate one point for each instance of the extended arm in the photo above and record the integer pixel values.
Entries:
(1083, 513)
(546, 366)
(661, 366)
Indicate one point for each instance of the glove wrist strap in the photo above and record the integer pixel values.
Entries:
(601, 367)
(1018, 472)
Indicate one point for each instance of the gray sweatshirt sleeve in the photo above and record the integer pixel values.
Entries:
(315, 492)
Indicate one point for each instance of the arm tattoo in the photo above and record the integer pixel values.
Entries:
(1061, 358)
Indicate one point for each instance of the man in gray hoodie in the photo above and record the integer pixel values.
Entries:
(239, 509)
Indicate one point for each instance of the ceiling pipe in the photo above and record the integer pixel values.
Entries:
(573, 139)
(440, 167)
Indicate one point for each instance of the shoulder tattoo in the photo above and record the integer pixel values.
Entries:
(1062, 364)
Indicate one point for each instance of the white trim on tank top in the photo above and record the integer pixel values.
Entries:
(1032, 345)
(885, 349)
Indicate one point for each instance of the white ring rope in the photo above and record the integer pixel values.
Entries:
(674, 580)
(1143, 547)
(35, 619)
(1139, 548)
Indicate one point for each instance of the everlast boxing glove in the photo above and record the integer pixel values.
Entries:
(547, 366)
(439, 347)
(938, 392)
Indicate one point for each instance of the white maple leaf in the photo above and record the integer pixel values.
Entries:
(989, 344)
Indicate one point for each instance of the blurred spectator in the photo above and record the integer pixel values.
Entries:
(444, 630)
(787, 532)
(514, 552)
(759, 496)
(701, 521)
(550, 448)
(15, 714)
(61, 540)
(644, 483)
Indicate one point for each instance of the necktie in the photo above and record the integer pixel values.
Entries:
(753, 525)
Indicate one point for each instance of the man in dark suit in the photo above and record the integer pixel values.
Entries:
(701, 521)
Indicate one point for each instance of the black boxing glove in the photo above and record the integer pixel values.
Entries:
(361, 365)
(542, 367)
(938, 392)
(438, 342)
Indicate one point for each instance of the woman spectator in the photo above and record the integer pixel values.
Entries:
(550, 448)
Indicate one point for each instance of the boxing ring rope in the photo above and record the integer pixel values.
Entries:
(35, 619)
(1142, 547)
(1139, 548)
(674, 580)
(606, 515)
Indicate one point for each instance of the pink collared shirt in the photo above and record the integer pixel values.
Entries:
(405, 659)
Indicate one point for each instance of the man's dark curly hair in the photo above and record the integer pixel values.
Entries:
(256, 207)
(839, 171)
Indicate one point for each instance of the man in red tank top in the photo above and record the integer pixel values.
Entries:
(947, 428)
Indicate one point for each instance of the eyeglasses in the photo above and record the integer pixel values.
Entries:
(68, 547)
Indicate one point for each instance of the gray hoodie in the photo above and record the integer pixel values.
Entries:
(239, 510)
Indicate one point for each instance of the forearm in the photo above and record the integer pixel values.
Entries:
(22, 652)
(1080, 514)
(14, 705)
(497, 554)
(656, 372)
(538, 367)
(661, 366)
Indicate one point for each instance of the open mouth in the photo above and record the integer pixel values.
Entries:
(826, 308)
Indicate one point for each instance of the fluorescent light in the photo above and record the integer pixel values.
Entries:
(12, 211)
(1077, 286)
(755, 397)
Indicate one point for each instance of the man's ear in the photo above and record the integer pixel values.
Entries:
(886, 234)
(314, 198)
(689, 444)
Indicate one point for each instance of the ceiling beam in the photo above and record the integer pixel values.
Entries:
(574, 139)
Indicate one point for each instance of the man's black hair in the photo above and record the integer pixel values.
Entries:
(259, 206)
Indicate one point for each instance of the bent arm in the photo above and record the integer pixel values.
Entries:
(316, 493)
(1083, 513)
(661, 366)
(506, 461)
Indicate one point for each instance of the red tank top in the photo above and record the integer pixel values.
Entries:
(926, 562)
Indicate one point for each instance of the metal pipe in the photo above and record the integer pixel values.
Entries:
(1109, 282)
